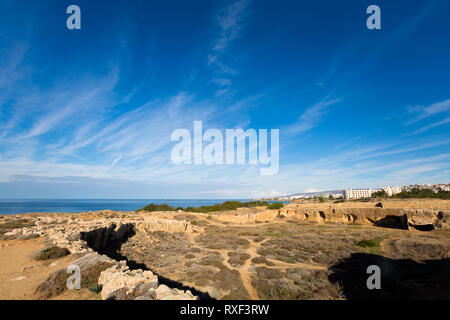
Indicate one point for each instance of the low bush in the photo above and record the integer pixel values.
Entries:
(237, 259)
(276, 205)
(89, 277)
(423, 193)
(227, 205)
(157, 207)
(262, 260)
(56, 283)
(369, 243)
(95, 288)
(51, 253)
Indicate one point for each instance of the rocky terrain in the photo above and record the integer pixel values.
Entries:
(303, 251)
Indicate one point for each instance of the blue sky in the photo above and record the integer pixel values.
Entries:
(89, 113)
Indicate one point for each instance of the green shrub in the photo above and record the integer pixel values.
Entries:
(95, 288)
(423, 193)
(157, 207)
(276, 205)
(227, 205)
(369, 243)
(258, 203)
(380, 194)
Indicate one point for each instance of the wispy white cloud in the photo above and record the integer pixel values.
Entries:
(433, 125)
(230, 21)
(424, 112)
(11, 68)
(311, 117)
(116, 160)
(43, 110)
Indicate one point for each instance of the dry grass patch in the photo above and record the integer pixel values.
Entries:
(262, 260)
(51, 253)
(225, 242)
(293, 284)
(214, 259)
(56, 283)
(240, 293)
(310, 244)
(89, 276)
(159, 250)
(237, 259)
(226, 280)
(15, 224)
(421, 247)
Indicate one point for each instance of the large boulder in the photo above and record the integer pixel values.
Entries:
(121, 283)
(92, 259)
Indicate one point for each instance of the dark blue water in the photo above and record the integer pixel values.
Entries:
(75, 206)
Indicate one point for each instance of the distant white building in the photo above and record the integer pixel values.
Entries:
(358, 193)
(392, 190)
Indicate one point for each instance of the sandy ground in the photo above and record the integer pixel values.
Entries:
(15, 255)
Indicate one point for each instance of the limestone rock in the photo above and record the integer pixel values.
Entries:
(92, 259)
(165, 293)
(393, 217)
(151, 224)
(120, 283)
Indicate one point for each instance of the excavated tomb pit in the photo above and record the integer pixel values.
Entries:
(109, 240)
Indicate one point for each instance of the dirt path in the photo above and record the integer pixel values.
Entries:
(244, 271)
(224, 254)
(191, 239)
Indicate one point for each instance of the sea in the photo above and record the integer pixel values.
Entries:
(82, 205)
